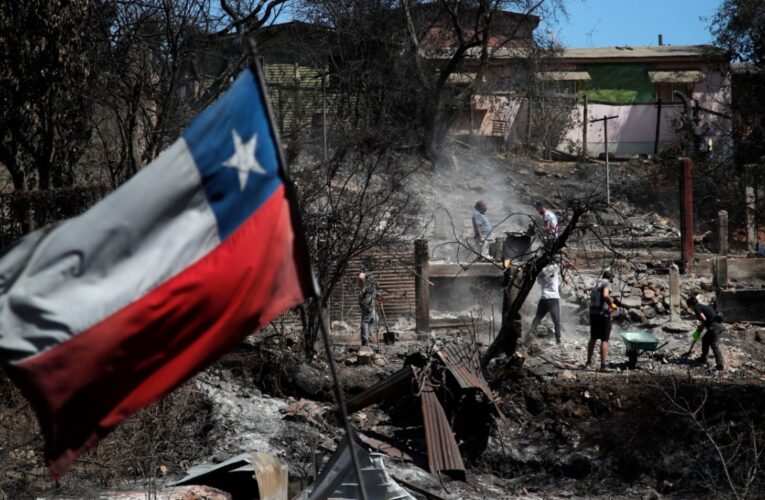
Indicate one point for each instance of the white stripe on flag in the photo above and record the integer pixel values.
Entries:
(61, 281)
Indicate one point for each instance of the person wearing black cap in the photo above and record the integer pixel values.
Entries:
(711, 321)
(601, 307)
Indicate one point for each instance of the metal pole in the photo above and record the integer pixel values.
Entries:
(608, 168)
(341, 400)
(584, 127)
(324, 112)
(297, 223)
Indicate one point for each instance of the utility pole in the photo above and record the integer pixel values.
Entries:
(686, 213)
(608, 167)
(585, 125)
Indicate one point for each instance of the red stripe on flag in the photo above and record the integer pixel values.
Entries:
(83, 388)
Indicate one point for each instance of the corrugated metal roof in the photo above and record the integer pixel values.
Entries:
(644, 52)
(563, 76)
(676, 76)
(579, 53)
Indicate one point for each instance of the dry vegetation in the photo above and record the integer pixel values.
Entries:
(165, 438)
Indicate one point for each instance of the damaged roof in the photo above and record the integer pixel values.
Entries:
(563, 76)
(650, 52)
(598, 54)
(676, 76)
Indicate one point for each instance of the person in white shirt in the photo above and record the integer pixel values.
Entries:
(549, 302)
(550, 228)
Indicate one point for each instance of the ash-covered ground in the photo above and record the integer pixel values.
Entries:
(669, 428)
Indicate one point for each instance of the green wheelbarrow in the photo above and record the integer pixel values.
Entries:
(635, 342)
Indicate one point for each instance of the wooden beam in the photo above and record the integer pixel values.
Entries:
(421, 290)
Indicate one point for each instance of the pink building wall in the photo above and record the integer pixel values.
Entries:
(634, 130)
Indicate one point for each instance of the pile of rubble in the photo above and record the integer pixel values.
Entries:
(647, 225)
(642, 298)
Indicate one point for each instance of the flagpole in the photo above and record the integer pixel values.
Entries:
(298, 225)
(341, 402)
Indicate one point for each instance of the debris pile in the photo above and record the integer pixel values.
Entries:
(455, 403)
(647, 225)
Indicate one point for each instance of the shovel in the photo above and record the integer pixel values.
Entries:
(388, 337)
(696, 336)
(688, 354)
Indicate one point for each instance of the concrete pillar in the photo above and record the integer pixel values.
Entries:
(722, 232)
(751, 226)
(421, 290)
(720, 272)
(440, 224)
(674, 292)
(686, 213)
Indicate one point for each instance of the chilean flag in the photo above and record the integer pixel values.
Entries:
(106, 313)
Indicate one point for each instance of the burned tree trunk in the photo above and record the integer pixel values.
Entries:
(518, 284)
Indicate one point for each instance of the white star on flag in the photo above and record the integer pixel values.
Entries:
(244, 159)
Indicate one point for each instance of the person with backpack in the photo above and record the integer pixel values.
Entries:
(601, 307)
(710, 321)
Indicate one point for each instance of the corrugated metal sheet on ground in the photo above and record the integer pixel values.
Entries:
(443, 452)
(464, 363)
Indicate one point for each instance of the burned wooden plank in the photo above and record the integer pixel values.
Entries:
(384, 447)
(396, 384)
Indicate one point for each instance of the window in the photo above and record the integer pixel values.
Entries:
(665, 91)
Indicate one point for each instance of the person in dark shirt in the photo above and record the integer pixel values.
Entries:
(712, 323)
(602, 304)
(368, 296)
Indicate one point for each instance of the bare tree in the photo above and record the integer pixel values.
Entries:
(739, 450)
(396, 61)
(159, 63)
(353, 203)
(43, 83)
(520, 279)
(475, 32)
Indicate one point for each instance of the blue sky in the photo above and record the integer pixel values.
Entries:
(602, 23)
